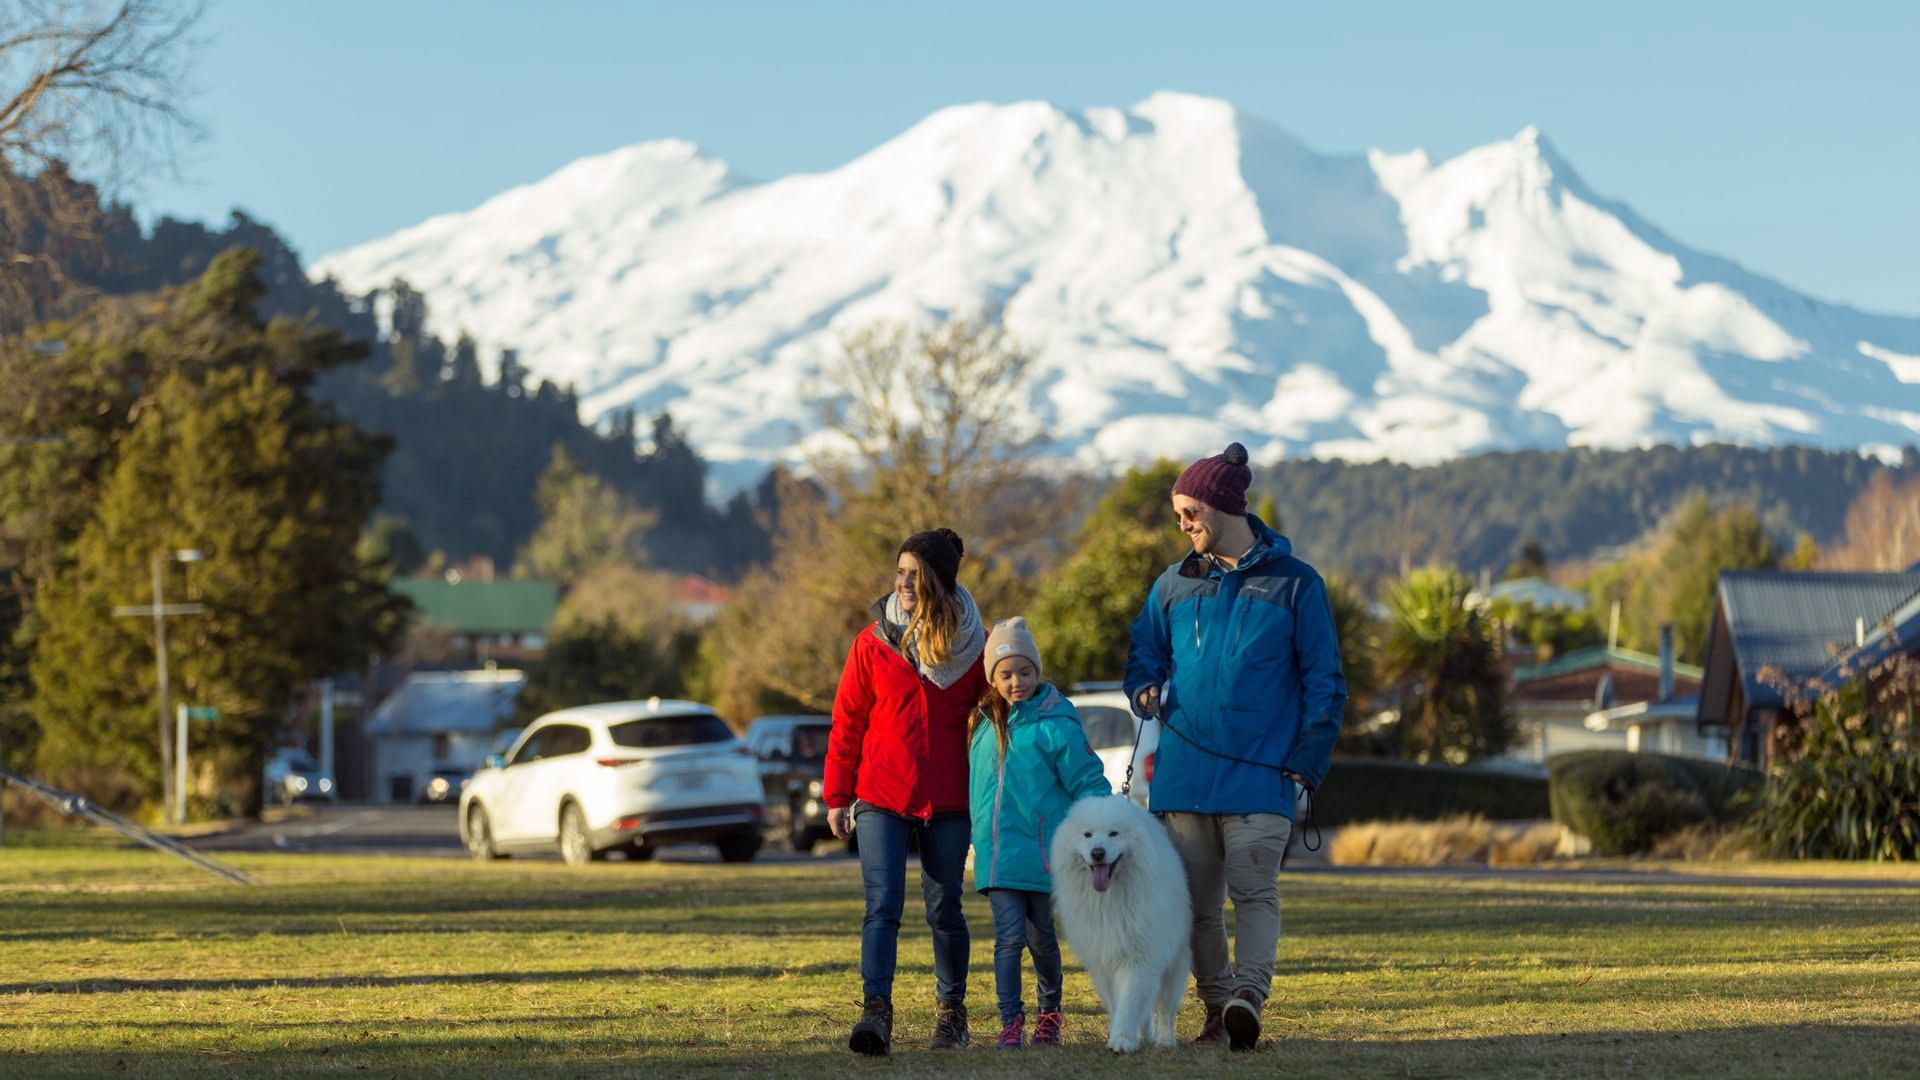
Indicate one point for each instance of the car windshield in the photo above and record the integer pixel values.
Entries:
(1106, 727)
(656, 731)
(810, 743)
(300, 763)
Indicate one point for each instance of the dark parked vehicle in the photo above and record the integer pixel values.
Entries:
(445, 784)
(792, 752)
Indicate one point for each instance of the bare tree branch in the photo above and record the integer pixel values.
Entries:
(86, 86)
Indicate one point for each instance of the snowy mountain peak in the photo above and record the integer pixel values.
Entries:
(1187, 274)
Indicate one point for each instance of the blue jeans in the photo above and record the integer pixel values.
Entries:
(1024, 920)
(883, 868)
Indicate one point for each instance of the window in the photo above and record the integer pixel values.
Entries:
(810, 742)
(1106, 726)
(655, 731)
(565, 739)
(530, 749)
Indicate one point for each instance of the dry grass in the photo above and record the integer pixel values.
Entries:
(1706, 841)
(1463, 840)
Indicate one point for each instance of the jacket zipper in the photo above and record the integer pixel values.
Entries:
(999, 786)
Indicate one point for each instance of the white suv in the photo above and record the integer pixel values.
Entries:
(627, 775)
(1111, 728)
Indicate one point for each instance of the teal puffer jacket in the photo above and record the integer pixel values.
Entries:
(1019, 800)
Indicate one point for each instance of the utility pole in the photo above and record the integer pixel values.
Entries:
(158, 611)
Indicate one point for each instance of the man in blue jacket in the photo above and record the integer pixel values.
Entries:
(1240, 636)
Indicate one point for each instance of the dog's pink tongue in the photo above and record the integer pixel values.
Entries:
(1102, 876)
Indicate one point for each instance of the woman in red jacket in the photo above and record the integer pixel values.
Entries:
(897, 762)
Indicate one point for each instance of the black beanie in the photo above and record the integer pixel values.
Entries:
(938, 551)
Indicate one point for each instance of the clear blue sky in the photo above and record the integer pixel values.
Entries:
(1783, 135)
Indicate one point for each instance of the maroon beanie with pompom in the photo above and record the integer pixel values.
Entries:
(1219, 481)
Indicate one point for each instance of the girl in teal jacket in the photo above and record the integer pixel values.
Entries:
(1028, 761)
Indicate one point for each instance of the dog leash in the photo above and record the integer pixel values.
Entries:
(1139, 729)
(1191, 741)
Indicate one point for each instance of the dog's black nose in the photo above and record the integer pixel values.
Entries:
(1098, 854)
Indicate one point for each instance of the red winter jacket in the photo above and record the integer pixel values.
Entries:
(898, 742)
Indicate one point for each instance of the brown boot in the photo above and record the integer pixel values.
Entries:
(1213, 1031)
(949, 1025)
(1241, 1018)
(873, 1034)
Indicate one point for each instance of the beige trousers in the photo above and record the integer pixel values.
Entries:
(1232, 856)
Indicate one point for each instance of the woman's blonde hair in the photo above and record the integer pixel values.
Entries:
(935, 619)
(994, 709)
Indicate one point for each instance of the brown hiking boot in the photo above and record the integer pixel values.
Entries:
(1241, 1018)
(949, 1025)
(1212, 1031)
(873, 1034)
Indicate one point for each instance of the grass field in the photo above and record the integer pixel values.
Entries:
(125, 962)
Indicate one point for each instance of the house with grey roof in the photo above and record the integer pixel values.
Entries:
(1776, 632)
(436, 720)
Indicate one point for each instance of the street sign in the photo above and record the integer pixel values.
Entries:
(202, 712)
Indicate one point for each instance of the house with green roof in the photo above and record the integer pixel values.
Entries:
(494, 620)
(1551, 701)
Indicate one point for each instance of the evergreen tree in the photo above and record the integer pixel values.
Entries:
(463, 364)
(512, 380)
(1086, 606)
(226, 451)
(1532, 562)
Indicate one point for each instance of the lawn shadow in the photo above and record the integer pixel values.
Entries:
(611, 1048)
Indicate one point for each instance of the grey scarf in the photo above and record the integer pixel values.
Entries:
(969, 638)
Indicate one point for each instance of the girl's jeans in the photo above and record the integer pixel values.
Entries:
(1024, 920)
(883, 867)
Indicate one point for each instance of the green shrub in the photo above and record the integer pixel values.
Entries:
(1373, 789)
(1625, 802)
(1851, 788)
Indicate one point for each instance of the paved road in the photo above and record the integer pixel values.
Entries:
(402, 830)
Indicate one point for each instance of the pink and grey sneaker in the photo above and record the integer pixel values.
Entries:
(1013, 1036)
(1048, 1028)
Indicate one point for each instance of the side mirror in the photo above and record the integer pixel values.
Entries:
(496, 761)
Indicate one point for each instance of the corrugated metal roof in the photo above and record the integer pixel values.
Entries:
(435, 702)
(1793, 620)
(1899, 629)
(483, 607)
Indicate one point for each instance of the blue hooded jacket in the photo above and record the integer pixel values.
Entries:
(1018, 800)
(1251, 664)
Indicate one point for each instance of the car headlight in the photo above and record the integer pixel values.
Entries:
(813, 788)
(297, 783)
(326, 785)
(437, 786)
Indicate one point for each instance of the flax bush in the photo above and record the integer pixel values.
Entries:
(1849, 784)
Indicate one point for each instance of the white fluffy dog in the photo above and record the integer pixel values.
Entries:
(1121, 895)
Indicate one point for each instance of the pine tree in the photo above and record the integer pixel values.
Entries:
(226, 452)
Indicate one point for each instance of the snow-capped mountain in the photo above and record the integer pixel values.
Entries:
(1185, 274)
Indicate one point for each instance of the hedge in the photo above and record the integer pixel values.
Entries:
(1624, 801)
(1380, 789)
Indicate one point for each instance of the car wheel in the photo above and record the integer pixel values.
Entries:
(799, 834)
(480, 836)
(738, 847)
(576, 848)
